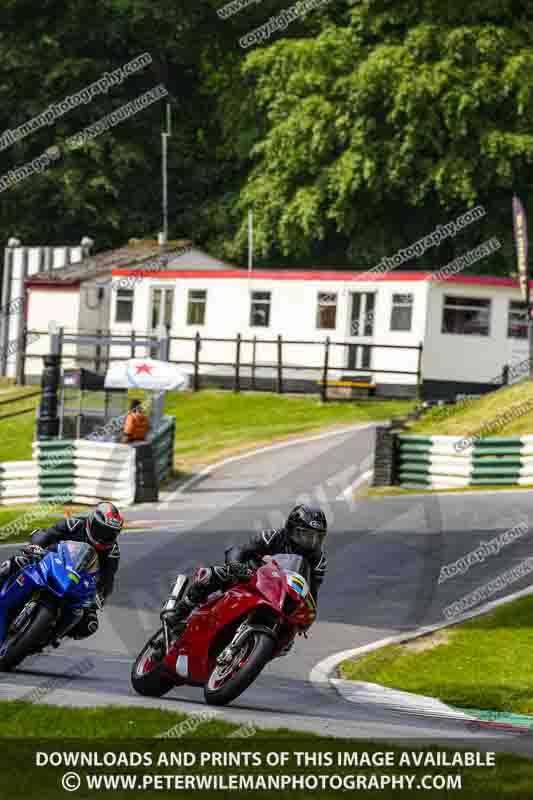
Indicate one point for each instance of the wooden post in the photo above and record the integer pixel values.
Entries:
(324, 387)
(237, 382)
(419, 372)
(107, 350)
(505, 375)
(197, 346)
(133, 335)
(280, 365)
(98, 351)
(21, 365)
(254, 345)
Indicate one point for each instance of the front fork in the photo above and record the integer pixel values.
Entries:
(177, 592)
(243, 631)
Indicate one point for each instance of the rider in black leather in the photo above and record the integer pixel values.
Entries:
(100, 528)
(303, 534)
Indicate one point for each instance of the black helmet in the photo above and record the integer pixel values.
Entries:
(307, 528)
(104, 525)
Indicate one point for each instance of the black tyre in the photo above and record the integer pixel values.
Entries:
(32, 637)
(227, 683)
(148, 672)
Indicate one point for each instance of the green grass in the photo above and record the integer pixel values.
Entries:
(470, 416)
(16, 433)
(45, 517)
(482, 664)
(211, 423)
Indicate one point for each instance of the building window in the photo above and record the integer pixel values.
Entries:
(326, 313)
(124, 306)
(402, 312)
(162, 306)
(517, 320)
(468, 316)
(260, 310)
(196, 307)
(363, 313)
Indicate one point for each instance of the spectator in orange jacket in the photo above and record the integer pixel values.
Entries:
(136, 424)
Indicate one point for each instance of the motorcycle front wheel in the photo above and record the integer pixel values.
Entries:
(148, 672)
(26, 641)
(228, 681)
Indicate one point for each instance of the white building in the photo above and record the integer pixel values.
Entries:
(469, 327)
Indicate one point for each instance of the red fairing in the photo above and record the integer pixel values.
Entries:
(268, 588)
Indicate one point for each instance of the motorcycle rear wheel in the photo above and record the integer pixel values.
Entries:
(224, 686)
(147, 673)
(31, 638)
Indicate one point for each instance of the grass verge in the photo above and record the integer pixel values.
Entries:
(505, 412)
(483, 663)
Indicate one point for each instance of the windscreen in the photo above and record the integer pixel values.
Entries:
(83, 557)
(293, 563)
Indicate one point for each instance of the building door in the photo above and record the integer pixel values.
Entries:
(161, 310)
(362, 318)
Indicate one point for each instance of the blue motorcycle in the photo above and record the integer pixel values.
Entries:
(43, 601)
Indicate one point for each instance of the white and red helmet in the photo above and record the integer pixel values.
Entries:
(104, 525)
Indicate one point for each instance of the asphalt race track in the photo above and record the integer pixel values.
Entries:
(385, 557)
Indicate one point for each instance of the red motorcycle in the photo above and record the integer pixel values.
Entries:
(227, 641)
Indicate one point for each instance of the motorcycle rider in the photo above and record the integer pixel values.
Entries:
(99, 528)
(303, 534)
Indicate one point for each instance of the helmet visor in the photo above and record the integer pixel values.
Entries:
(307, 539)
(102, 534)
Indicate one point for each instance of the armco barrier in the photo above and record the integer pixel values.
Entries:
(442, 462)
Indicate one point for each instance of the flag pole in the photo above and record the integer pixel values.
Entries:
(521, 242)
(250, 245)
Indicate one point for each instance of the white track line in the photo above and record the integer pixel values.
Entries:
(347, 493)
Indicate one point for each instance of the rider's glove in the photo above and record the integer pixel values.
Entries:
(34, 552)
(239, 571)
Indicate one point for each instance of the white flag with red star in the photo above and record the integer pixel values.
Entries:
(146, 373)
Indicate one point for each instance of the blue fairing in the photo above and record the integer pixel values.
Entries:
(65, 580)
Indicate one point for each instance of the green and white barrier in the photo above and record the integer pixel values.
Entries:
(19, 482)
(446, 462)
(86, 471)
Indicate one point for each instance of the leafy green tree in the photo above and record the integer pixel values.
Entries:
(378, 130)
